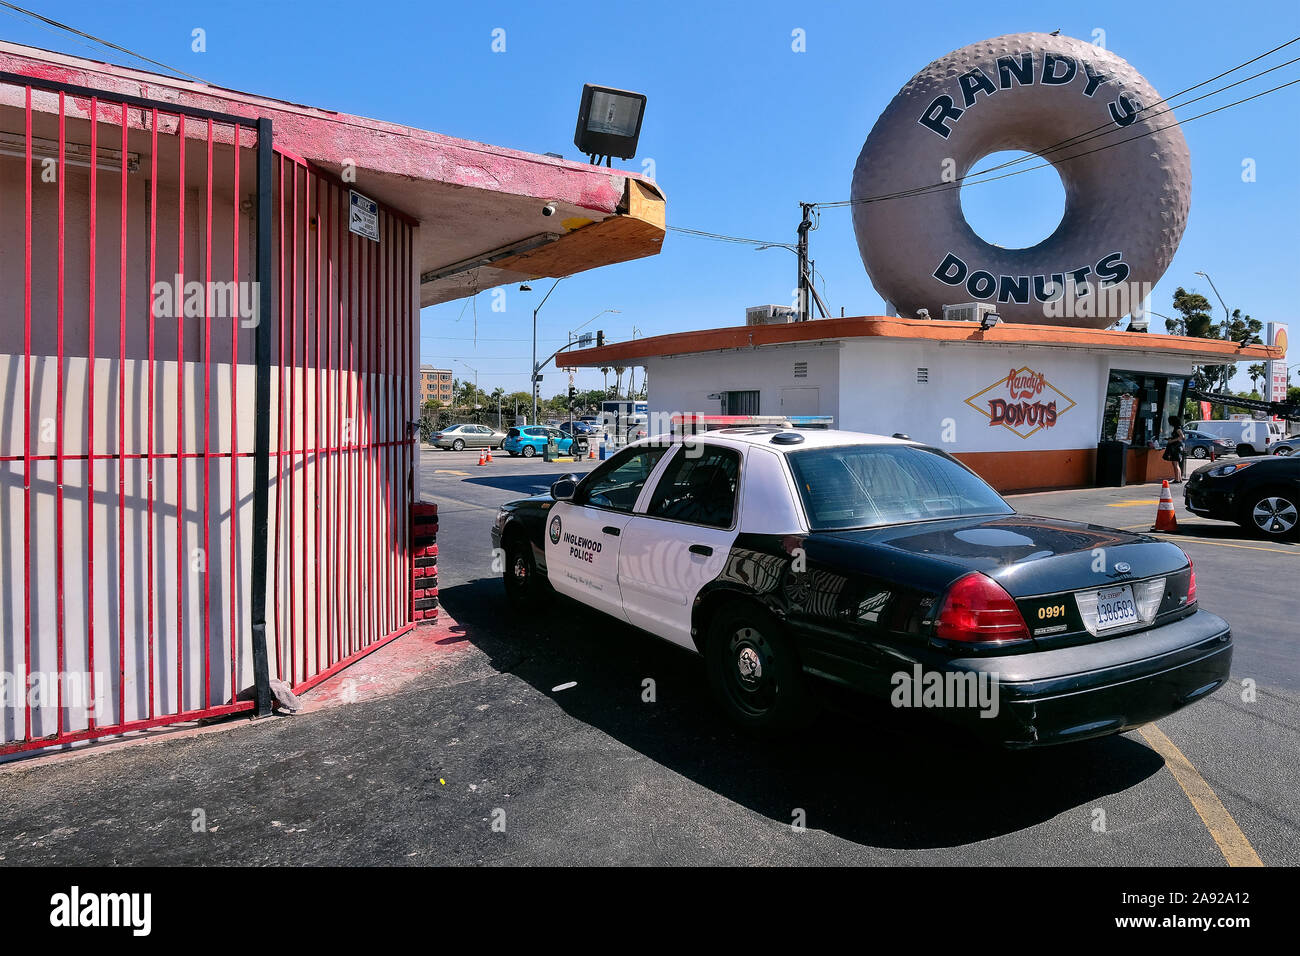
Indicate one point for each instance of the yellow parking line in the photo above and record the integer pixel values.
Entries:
(1218, 544)
(1234, 846)
(1130, 504)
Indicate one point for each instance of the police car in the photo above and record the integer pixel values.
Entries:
(787, 557)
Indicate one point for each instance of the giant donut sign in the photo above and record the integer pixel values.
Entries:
(1125, 205)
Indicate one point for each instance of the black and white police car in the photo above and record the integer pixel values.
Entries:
(784, 557)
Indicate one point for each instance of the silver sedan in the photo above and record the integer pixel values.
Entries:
(460, 437)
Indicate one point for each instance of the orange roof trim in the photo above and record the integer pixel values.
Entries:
(821, 330)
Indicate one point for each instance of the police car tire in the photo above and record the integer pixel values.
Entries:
(1126, 204)
(536, 589)
(779, 701)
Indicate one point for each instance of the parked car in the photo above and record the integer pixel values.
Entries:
(460, 437)
(784, 557)
(531, 440)
(576, 427)
(1200, 445)
(1287, 446)
(1251, 436)
(1261, 494)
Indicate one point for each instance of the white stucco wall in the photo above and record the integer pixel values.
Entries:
(872, 385)
(682, 383)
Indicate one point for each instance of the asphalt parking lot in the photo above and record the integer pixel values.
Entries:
(540, 722)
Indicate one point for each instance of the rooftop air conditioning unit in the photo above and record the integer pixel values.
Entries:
(967, 311)
(769, 314)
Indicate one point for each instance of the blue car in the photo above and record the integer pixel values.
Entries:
(531, 440)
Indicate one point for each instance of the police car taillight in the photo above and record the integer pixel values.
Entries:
(978, 610)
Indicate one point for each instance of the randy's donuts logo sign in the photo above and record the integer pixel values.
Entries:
(1023, 401)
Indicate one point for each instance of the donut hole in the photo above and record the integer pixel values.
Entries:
(1015, 212)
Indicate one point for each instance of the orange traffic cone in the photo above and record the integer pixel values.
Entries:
(591, 453)
(482, 458)
(1166, 519)
(489, 456)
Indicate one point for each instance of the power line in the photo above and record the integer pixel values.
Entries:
(1087, 135)
(700, 234)
(1017, 172)
(101, 40)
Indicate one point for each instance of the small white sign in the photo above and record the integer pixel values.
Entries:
(363, 216)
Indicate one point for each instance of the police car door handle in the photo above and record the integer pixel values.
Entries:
(701, 549)
(610, 529)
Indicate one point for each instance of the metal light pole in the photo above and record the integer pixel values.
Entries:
(475, 371)
(535, 311)
(807, 287)
(1227, 317)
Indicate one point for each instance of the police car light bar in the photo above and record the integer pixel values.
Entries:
(699, 423)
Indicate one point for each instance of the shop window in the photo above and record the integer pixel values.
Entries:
(1138, 406)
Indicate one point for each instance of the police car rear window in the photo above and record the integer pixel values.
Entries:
(865, 486)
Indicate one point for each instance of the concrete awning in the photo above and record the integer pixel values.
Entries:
(480, 206)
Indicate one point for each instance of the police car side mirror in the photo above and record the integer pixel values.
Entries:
(563, 489)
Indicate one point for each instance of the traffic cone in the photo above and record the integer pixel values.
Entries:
(482, 458)
(1166, 519)
(591, 453)
(489, 456)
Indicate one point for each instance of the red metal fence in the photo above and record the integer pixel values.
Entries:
(128, 552)
(342, 447)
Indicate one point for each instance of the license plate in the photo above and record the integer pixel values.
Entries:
(1116, 608)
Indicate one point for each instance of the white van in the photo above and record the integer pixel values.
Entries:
(1253, 437)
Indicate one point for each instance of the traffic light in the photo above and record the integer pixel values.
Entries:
(600, 339)
(573, 398)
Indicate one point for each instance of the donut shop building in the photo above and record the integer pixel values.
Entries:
(1025, 406)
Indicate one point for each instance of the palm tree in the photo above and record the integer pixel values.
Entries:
(499, 395)
(604, 371)
(618, 379)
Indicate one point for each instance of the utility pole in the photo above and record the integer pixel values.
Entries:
(802, 251)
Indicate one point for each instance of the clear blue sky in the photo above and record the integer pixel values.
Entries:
(740, 129)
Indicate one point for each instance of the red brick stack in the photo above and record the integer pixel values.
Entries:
(424, 563)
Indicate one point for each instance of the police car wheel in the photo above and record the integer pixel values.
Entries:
(753, 671)
(529, 451)
(524, 584)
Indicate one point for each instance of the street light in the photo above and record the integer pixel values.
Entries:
(804, 308)
(526, 288)
(1227, 317)
(475, 371)
(573, 333)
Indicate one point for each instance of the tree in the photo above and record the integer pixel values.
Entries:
(429, 419)
(618, 379)
(604, 371)
(1196, 319)
(1256, 374)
